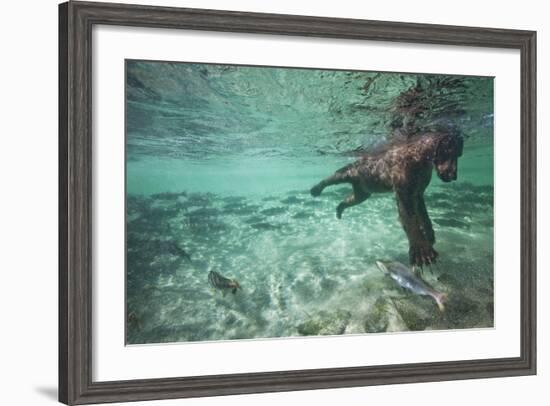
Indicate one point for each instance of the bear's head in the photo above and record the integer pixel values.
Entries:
(448, 150)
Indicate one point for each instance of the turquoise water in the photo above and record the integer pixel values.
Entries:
(220, 160)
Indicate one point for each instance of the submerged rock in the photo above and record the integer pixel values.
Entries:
(417, 312)
(463, 312)
(383, 316)
(325, 323)
(377, 319)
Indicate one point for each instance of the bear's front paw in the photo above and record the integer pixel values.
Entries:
(422, 254)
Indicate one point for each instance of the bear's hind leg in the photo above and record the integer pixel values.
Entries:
(358, 196)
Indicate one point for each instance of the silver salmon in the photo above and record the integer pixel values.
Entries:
(408, 280)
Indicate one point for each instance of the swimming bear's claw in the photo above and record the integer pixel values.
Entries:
(420, 255)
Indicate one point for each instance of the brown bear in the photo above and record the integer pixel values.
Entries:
(403, 166)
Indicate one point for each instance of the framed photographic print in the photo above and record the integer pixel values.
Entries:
(257, 202)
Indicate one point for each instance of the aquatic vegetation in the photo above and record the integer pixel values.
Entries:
(220, 163)
(325, 323)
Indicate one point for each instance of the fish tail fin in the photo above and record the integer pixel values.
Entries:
(440, 299)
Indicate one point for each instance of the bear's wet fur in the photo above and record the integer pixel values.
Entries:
(404, 166)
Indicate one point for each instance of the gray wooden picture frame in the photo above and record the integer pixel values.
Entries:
(76, 20)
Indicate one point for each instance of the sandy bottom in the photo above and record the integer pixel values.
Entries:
(302, 271)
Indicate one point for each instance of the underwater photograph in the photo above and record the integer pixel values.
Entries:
(271, 202)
